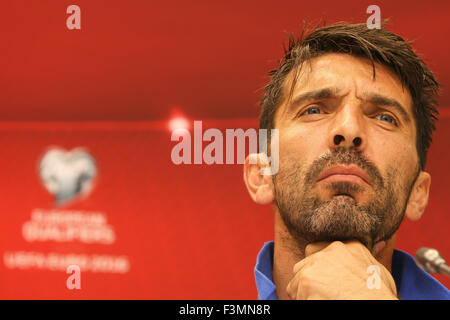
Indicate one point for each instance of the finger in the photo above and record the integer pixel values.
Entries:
(315, 247)
(309, 250)
(293, 287)
(355, 246)
(359, 251)
(290, 289)
(299, 265)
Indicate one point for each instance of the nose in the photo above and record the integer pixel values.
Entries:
(339, 138)
(347, 129)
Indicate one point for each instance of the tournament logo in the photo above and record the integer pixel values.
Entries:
(67, 174)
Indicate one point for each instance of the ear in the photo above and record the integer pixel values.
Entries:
(258, 178)
(418, 199)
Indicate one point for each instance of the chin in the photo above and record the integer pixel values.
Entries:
(340, 218)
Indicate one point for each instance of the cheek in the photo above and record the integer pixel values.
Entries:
(394, 154)
(299, 144)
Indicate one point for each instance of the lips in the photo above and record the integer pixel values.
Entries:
(341, 173)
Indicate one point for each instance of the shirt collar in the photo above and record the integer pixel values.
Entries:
(263, 273)
(412, 282)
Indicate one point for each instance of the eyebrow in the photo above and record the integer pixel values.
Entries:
(325, 93)
(329, 93)
(381, 100)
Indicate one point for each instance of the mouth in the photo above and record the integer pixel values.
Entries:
(348, 174)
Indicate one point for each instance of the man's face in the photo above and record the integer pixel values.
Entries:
(347, 154)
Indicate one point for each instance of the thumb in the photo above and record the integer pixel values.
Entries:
(315, 247)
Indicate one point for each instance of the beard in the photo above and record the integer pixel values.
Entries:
(310, 218)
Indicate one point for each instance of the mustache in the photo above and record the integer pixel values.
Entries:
(344, 156)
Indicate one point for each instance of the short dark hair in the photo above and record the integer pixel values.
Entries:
(377, 45)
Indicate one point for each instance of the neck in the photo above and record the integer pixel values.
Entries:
(288, 252)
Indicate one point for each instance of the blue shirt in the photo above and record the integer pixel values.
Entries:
(412, 282)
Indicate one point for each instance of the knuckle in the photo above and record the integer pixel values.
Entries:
(289, 287)
(305, 280)
(297, 266)
(337, 245)
(289, 292)
(306, 286)
(316, 257)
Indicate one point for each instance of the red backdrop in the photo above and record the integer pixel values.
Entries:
(178, 232)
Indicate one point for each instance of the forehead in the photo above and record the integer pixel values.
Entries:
(347, 73)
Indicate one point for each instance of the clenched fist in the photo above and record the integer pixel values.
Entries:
(340, 271)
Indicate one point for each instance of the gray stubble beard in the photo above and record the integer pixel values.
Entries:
(309, 219)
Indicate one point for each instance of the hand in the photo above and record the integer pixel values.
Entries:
(340, 271)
